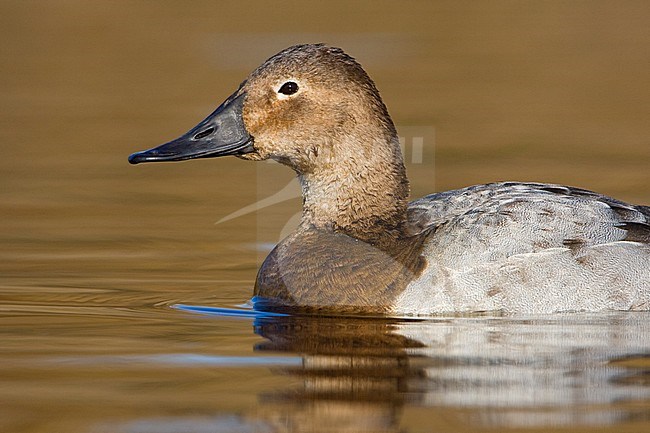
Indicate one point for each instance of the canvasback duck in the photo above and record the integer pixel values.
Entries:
(361, 247)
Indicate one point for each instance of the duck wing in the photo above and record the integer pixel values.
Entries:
(529, 247)
(494, 221)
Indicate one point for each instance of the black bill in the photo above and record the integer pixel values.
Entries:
(221, 133)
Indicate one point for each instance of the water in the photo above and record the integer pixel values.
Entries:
(204, 370)
(105, 268)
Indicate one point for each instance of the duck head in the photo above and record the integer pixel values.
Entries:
(294, 109)
(314, 109)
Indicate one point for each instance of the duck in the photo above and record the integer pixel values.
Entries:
(362, 248)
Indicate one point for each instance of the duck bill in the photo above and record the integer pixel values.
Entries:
(221, 133)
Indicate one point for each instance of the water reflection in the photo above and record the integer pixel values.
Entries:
(354, 373)
(364, 375)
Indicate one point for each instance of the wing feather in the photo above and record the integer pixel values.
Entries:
(491, 222)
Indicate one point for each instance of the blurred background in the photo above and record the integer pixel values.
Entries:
(95, 250)
(553, 91)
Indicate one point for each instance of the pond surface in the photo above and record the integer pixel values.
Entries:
(123, 290)
(160, 369)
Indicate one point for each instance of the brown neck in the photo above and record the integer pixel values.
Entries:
(361, 189)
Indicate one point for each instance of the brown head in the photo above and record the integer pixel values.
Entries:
(314, 109)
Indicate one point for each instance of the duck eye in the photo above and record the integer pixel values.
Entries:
(288, 88)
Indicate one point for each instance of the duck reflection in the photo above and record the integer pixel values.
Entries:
(370, 375)
(354, 372)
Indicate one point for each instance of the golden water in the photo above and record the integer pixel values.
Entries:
(95, 253)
